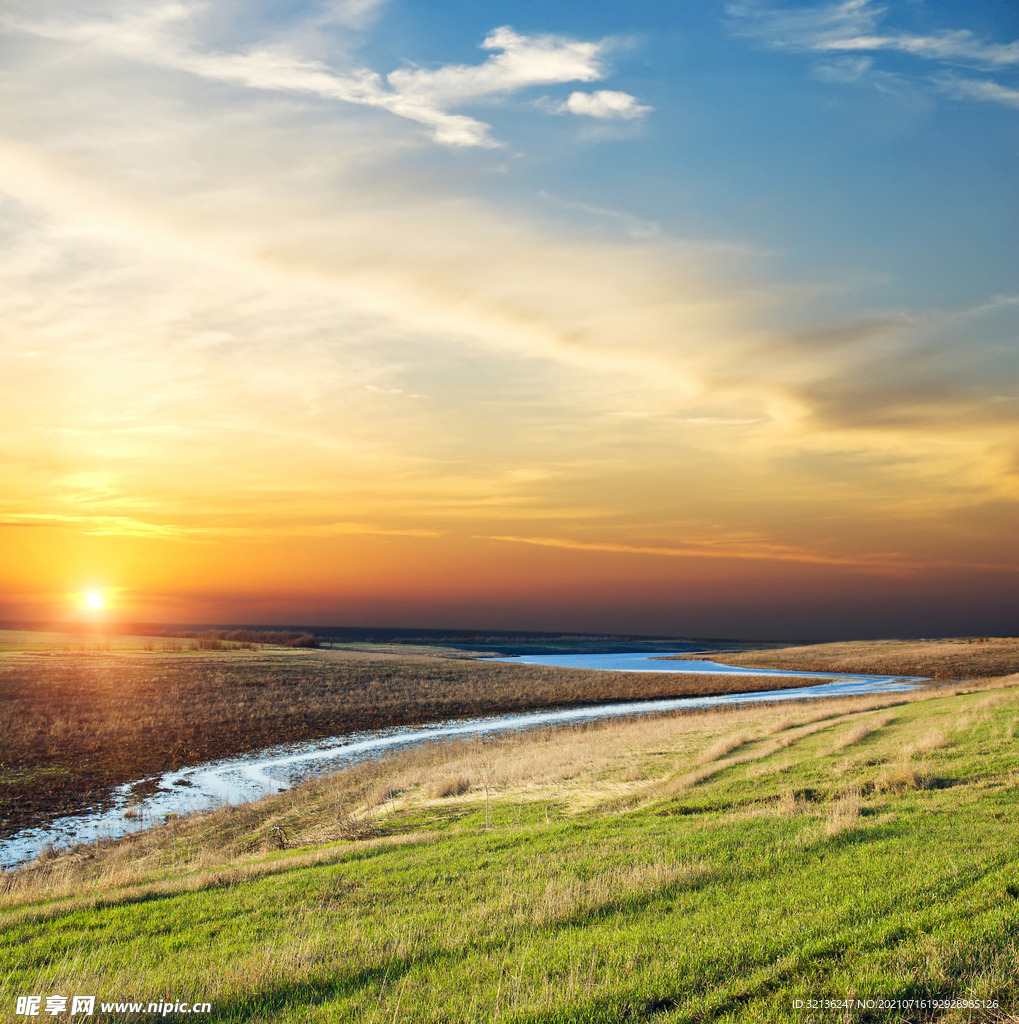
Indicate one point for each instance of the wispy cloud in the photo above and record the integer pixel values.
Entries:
(636, 227)
(803, 28)
(758, 550)
(356, 14)
(882, 564)
(980, 89)
(843, 69)
(855, 27)
(99, 525)
(123, 526)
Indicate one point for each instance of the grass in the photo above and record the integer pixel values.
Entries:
(961, 658)
(564, 876)
(77, 720)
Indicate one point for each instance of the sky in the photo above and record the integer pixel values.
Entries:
(693, 319)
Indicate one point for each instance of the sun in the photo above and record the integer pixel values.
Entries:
(95, 601)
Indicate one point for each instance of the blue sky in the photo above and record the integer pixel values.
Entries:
(868, 160)
(662, 287)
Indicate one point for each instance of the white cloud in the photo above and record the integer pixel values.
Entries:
(156, 36)
(605, 104)
(522, 61)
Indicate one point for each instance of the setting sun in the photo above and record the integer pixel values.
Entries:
(95, 601)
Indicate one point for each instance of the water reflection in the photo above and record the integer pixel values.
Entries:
(645, 662)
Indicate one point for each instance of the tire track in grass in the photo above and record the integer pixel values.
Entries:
(788, 736)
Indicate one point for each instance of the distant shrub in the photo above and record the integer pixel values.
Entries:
(303, 640)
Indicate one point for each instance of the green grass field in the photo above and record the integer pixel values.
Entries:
(716, 867)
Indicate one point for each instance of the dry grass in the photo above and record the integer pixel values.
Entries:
(790, 803)
(451, 787)
(351, 827)
(726, 745)
(902, 777)
(861, 731)
(63, 886)
(609, 766)
(567, 898)
(843, 814)
(934, 739)
(469, 895)
(964, 658)
(786, 731)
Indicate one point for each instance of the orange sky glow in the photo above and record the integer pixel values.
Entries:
(273, 356)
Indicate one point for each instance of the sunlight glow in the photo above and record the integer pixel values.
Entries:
(95, 601)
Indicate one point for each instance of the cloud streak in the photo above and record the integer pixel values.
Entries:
(983, 90)
(854, 27)
(735, 549)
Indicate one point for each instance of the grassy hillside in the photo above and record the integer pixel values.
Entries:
(709, 867)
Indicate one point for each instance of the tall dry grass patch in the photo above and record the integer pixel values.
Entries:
(903, 777)
(567, 897)
(789, 803)
(843, 813)
(450, 787)
(933, 739)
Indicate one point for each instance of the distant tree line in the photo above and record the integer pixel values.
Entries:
(211, 639)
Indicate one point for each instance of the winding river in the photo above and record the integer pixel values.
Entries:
(274, 769)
